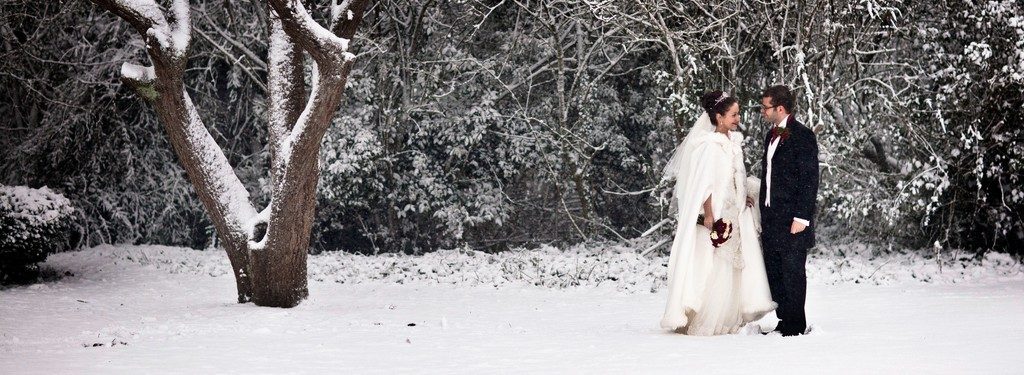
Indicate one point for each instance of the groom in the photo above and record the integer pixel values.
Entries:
(789, 186)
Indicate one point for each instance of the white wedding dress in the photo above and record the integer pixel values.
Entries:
(714, 291)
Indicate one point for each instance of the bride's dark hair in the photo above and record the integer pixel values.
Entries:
(716, 102)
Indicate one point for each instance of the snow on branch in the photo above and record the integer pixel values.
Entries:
(141, 74)
(280, 56)
(320, 42)
(140, 78)
(323, 35)
(329, 54)
(224, 186)
(181, 32)
(288, 143)
(339, 9)
(147, 10)
(148, 18)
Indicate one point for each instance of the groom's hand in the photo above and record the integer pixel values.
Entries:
(797, 227)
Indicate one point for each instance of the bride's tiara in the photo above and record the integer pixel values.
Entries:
(721, 98)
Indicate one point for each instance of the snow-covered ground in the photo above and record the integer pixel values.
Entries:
(155, 309)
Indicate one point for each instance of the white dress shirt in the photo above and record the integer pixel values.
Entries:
(774, 145)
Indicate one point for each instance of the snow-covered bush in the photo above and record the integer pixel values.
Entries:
(966, 143)
(33, 224)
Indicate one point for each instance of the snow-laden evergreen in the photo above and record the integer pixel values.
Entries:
(33, 207)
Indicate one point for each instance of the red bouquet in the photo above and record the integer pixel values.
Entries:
(721, 231)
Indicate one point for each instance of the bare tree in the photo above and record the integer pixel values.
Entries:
(267, 248)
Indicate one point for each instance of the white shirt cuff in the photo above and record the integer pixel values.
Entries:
(802, 221)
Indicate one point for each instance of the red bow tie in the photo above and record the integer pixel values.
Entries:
(780, 132)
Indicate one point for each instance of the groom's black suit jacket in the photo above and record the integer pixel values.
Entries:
(794, 188)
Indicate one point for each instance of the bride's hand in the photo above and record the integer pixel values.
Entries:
(709, 223)
(750, 202)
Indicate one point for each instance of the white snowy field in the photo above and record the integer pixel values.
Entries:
(155, 309)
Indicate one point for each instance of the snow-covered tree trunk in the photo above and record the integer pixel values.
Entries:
(267, 249)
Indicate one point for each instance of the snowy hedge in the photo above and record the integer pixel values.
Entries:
(33, 224)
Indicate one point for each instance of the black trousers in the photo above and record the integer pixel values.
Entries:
(785, 264)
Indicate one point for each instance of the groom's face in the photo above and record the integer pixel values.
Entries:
(771, 113)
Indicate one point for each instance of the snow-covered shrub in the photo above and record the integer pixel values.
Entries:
(967, 142)
(33, 224)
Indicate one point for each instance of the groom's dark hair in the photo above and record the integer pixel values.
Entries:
(781, 97)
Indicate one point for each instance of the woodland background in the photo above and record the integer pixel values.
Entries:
(496, 124)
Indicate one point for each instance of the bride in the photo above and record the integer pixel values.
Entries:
(714, 290)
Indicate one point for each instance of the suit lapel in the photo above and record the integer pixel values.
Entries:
(791, 125)
(767, 142)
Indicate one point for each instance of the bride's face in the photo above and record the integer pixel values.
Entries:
(731, 120)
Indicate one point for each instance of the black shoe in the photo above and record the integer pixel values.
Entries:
(800, 332)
